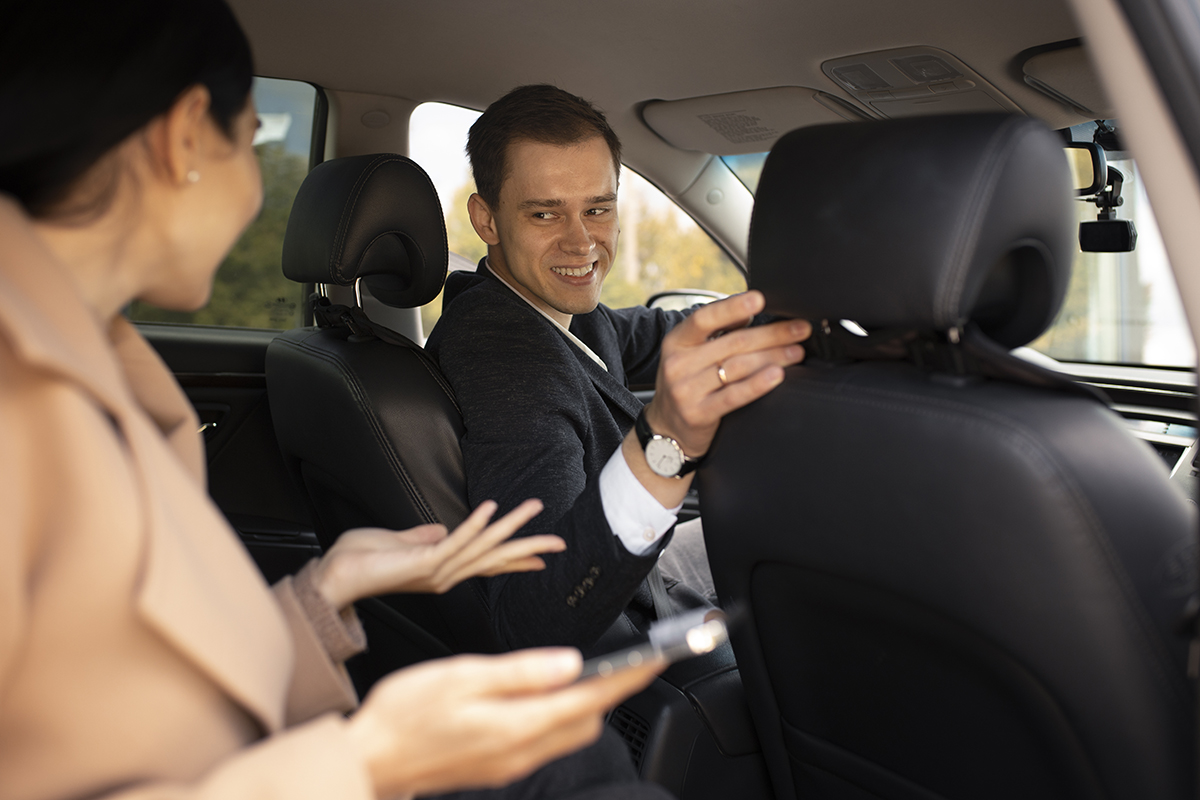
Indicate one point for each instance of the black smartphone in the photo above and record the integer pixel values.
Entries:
(686, 635)
(737, 326)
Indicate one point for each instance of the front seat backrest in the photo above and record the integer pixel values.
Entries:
(369, 428)
(962, 572)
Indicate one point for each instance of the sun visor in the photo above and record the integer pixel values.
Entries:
(916, 82)
(743, 122)
(1067, 76)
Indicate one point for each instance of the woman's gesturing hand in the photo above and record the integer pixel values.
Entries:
(368, 561)
(475, 721)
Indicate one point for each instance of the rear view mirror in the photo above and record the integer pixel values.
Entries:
(1089, 168)
(680, 299)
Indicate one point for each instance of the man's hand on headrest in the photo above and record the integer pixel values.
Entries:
(712, 364)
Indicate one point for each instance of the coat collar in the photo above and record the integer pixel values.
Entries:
(604, 380)
(610, 387)
(199, 590)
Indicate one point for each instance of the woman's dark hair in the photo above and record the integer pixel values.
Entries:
(539, 113)
(77, 78)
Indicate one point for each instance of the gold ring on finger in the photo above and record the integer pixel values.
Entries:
(721, 376)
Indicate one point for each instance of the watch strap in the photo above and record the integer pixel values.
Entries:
(641, 428)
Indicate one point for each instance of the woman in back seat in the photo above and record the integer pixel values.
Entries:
(141, 655)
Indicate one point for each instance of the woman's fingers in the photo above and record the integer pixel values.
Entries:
(468, 529)
(515, 556)
(369, 561)
(474, 721)
(471, 548)
(519, 555)
(422, 534)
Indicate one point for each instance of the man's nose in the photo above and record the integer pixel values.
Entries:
(577, 239)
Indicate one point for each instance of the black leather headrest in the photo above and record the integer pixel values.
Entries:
(917, 224)
(375, 217)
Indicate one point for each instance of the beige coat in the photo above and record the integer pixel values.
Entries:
(141, 654)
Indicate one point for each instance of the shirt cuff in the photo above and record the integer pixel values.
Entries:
(633, 514)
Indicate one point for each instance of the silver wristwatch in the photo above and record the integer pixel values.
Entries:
(664, 456)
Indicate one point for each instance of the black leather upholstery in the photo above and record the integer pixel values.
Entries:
(375, 217)
(960, 586)
(919, 239)
(370, 428)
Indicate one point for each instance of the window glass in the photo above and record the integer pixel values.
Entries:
(748, 168)
(660, 246)
(1122, 308)
(250, 290)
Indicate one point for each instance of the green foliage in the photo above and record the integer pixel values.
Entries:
(669, 256)
(250, 290)
(1120, 324)
(462, 239)
(459, 233)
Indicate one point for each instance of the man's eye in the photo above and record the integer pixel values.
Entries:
(595, 212)
(542, 215)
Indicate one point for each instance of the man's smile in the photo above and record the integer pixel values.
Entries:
(574, 272)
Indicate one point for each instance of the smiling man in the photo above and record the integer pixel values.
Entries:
(541, 370)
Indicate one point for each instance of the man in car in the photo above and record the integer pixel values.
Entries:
(541, 371)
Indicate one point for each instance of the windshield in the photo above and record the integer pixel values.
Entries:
(1121, 308)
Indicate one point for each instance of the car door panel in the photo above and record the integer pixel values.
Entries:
(222, 372)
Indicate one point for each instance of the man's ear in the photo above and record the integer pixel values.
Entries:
(180, 139)
(482, 220)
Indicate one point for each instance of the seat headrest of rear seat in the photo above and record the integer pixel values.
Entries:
(375, 217)
(917, 224)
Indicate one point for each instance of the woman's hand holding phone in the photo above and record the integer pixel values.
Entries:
(484, 721)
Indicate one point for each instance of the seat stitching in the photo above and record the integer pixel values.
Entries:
(359, 396)
(356, 191)
(966, 238)
(1026, 440)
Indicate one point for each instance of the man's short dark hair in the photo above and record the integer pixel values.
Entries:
(537, 113)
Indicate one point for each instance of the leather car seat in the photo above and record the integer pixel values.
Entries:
(368, 426)
(962, 573)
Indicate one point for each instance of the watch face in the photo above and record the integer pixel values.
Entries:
(664, 456)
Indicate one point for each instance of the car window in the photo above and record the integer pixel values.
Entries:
(660, 246)
(747, 167)
(250, 290)
(1121, 308)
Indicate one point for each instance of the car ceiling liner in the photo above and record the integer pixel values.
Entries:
(744, 122)
(885, 84)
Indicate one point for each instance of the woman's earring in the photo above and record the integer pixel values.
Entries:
(193, 176)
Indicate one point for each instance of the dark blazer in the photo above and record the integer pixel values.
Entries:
(542, 419)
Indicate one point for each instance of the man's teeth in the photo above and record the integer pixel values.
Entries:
(577, 272)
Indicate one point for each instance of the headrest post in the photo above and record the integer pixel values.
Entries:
(358, 293)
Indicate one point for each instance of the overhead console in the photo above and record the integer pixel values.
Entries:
(902, 82)
(743, 122)
(915, 81)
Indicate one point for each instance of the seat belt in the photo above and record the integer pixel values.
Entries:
(658, 593)
(328, 315)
